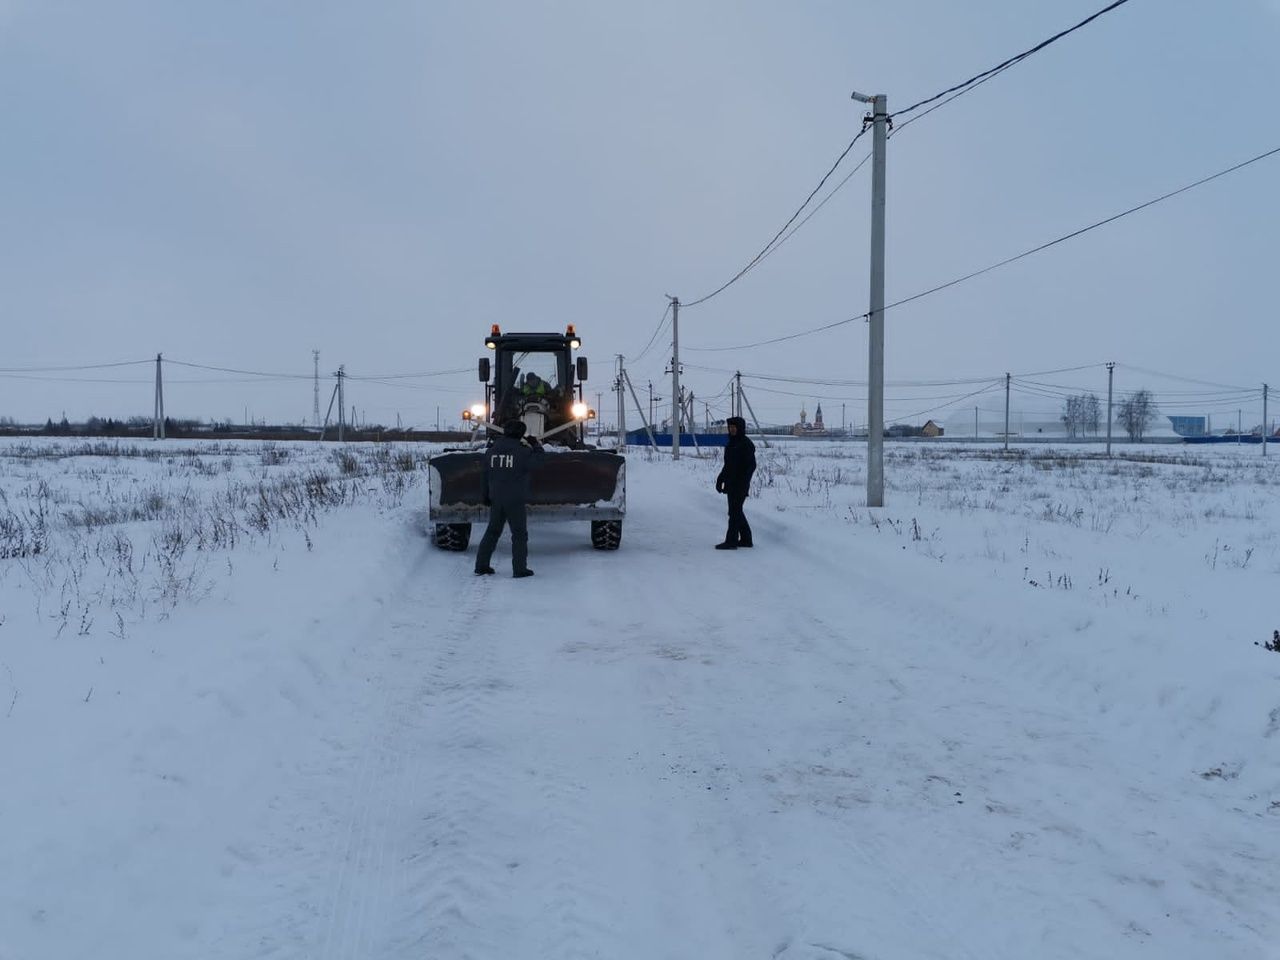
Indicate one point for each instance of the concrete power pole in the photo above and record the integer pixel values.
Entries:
(1265, 426)
(315, 405)
(675, 378)
(622, 406)
(1007, 379)
(1111, 373)
(342, 399)
(875, 380)
(157, 427)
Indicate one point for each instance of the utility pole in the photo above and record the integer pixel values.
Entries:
(737, 397)
(675, 378)
(975, 423)
(1265, 425)
(342, 400)
(622, 406)
(1007, 379)
(651, 401)
(315, 405)
(157, 427)
(875, 380)
(844, 431)
(1111, 372)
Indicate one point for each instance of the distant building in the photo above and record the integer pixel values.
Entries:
(1188, 426)
(931, 429)
(806, 429)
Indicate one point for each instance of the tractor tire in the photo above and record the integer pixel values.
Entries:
(452, 536)
(606, 534)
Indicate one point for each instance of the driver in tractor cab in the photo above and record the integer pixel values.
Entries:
(534, 388)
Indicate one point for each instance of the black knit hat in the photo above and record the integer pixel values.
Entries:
(514, 429)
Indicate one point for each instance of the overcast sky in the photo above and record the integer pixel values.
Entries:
(235, 184)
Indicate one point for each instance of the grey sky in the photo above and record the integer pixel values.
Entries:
(236, 183)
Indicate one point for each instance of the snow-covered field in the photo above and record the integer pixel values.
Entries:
(1023, 711)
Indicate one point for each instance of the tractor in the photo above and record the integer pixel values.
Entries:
(533, 377)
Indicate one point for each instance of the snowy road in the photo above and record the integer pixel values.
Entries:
(831, 746)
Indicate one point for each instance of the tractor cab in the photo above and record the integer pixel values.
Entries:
(534, 377)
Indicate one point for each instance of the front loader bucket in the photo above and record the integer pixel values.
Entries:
(568, 485)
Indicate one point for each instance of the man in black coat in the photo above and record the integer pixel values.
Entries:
(734, 482)
(506, 484)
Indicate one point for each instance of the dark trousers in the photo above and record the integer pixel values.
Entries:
(739, 529)
(514, 514)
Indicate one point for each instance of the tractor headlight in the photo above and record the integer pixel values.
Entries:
(579, 411)
(477, 411)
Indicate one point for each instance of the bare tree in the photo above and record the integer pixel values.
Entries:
(1081, 413)
(1136, 413)
(1092, 413)
(1071, 416)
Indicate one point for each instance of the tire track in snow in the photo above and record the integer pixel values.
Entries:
(364, 906)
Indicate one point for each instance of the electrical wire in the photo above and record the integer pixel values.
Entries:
(1170, 376)
(979, 78)
(410, 376)
(250, 373)
(32, 377)
(772, 340)
(87, 366)
(1083, 230)
(658, 330)
(921, 413)
(836, 189)
(995, 266)
(765, 250)
(937, 106)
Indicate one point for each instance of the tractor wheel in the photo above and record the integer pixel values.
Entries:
(453, 536)
(606, 534)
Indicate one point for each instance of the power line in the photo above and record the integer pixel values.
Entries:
(834, 190)
(661, 324)
(1170, 376)
(410, 376)
(995, 266)
(1190, 395)
(789, 336)
(985, 75)
(765, 250)
(86, 366)
(1083, 230)
(24, 376)
(826, 382)
(913, 416)
(249, 373)
(939, 106)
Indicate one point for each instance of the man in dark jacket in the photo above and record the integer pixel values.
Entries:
(734, 482)
(506, 485)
